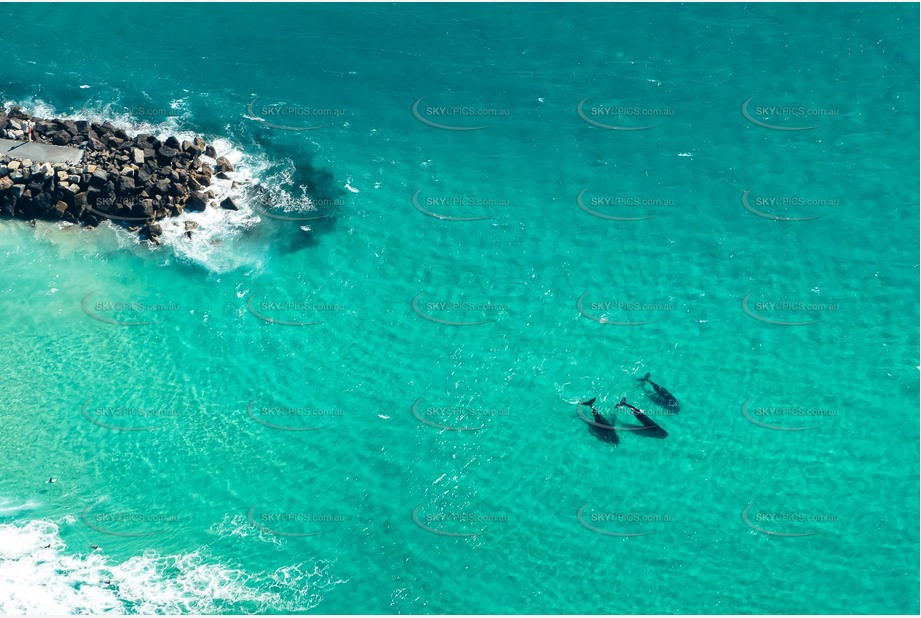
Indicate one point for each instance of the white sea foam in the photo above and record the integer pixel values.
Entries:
(39, 576)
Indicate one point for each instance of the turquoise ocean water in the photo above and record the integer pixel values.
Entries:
(375, 411)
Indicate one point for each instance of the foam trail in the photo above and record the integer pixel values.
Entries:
(9, 507)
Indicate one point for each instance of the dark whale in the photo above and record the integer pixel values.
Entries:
(664, 397)
(600, 427)
(651, 429)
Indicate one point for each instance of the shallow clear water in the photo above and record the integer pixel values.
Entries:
(411, 443)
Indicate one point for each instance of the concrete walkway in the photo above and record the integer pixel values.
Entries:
(42, 153)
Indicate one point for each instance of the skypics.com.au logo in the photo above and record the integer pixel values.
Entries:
(456, 118)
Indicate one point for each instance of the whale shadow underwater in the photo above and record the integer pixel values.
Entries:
(600, 427)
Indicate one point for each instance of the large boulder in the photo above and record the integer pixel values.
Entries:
(144, 208)
(38, 186)
(178, 189)
(94, 144)
(70, 126)
(42, 203)
(103, 130)
(163, 186)
(223, 164)
(125, 184)
(99, 178)
(43, 128)
(196, 202)
(194, 150)
(166, 154)
(228, 203)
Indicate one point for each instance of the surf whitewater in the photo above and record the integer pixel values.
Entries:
(135, 181)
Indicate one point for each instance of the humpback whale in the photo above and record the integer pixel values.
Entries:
(601, 428)
(665, 398)
(650, 429)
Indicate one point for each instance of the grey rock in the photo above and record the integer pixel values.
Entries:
(228, 203)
